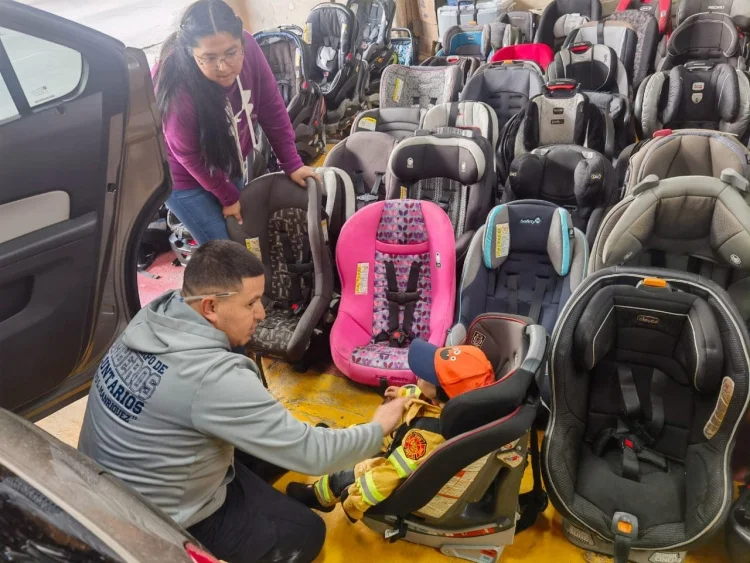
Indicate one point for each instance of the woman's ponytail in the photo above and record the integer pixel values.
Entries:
(178, 73)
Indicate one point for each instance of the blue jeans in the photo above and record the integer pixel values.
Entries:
(200, 212)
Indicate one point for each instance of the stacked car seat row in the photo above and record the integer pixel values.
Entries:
(517, 205)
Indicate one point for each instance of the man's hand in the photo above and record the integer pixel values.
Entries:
(233, 210)
(391, 392)
(389, 414)
(301, 174)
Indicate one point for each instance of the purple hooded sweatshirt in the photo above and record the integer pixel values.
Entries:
(183, 139)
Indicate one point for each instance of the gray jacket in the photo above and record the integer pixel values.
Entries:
(170, 402)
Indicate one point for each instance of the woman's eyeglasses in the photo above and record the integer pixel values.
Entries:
(230, 59)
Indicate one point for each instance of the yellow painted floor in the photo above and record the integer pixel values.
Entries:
(331, 398)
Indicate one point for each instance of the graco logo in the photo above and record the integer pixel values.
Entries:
(531, 221)
(477, 339)
(716, 7)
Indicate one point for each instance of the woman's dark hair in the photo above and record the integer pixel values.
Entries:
(178, 71)
(220, 265)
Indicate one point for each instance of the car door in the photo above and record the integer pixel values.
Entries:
(82, 171)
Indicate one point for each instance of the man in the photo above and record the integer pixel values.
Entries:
(170, 403)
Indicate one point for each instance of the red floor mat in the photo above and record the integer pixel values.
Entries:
(166, 276)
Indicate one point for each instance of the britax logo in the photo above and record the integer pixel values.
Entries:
(531, 221)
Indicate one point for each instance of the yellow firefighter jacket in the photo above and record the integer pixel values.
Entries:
(377, 478)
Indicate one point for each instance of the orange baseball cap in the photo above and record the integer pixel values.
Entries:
(457, 369)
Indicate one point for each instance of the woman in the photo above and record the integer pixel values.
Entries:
(212, 81)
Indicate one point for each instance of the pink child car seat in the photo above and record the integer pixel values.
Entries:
(397, 262)
(538, 53)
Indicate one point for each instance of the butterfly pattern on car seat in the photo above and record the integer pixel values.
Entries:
(402, 223)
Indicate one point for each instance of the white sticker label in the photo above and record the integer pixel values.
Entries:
(363, 278)
(253, 245)
(368, 123)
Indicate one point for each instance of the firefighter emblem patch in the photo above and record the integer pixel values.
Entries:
(415, 446)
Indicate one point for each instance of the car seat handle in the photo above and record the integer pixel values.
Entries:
(648, 183)
(732, 177)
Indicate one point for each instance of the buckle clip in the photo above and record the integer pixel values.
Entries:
(625, 530)
(398, 339)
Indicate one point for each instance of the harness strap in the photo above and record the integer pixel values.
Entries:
(513, 294)
(536, 301)
(298, 272)
(399, 334)
(600, 33)
(412, 287)
(453, 114)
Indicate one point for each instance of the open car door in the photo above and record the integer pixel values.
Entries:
(82, 172)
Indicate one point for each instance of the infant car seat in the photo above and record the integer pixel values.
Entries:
(331, 32)
(696, 95)
(453, 168)
(687, 152)
(578, 179)
(464, 498)
(396, 260)
(647, 33)
(290, 60)
(708, 38)
(283, 224)
(474, 116)
(375, 19)
(560, 17)
(507, 88)
(694, 223)
(649, 385)
(364, 158)
(561, 115)
(620, 36)
(738, 10)
(660, 10)
(527, 259)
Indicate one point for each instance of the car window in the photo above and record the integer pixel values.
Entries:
(46, 71)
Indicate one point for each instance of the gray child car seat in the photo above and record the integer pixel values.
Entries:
(560, 17)
(283, 224)
(649, 373)
(580, 180)
(647, 33)
(474, 116)
(364, 157)
(738, 10)
(451, 167)
(687, 152)
(697, 95)
(697, 224)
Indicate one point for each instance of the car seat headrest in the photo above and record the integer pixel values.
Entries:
(710, 34)
(529, 226)
(439, 156)
(567, 23)
(642, 324)
(402, 222)
(687, 215)
(542, 174)
(468, 115)
(557, 116)
(594, 66)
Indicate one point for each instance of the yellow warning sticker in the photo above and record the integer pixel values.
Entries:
(398, 90)
(253, 245)
(362, 282)
(307, 34)
(368, 123)
(502, 240)
(720, 411)
(404, 192)
(324, 226)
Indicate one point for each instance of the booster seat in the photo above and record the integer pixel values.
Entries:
(453, 168)
(464, 498)
(738, 10)
(507, 88)
(561, 115)
(526, 22)
(396, 261)
(364, 157)
(706, 37)
(331, 32)
(647, 33)
(619, 36)
(290, 60)
(578, 179)
(687, 152)
(560, 17)
(697, 224)
(649, 385)
(697, 95)
(474, 116)
(283, 224)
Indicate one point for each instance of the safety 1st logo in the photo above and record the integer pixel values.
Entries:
(415, 446)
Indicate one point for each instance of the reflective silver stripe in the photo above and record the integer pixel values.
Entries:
(400, 464)
(366, 493)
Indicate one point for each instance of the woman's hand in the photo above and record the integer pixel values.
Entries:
(233, 210)
(301, 174)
